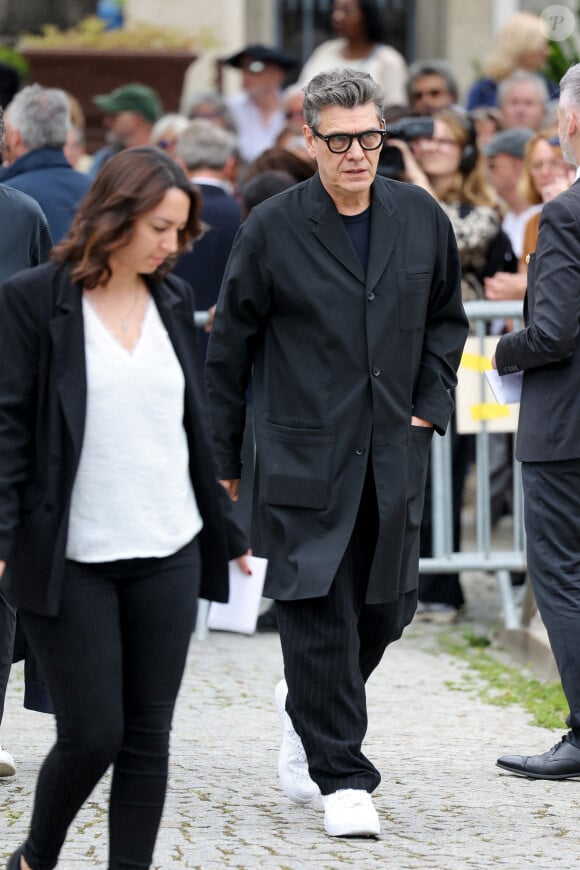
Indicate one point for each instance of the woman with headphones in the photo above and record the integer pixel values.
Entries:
(449, 166)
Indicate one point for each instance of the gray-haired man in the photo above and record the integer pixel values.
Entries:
(37, 123)
(548, 439)
(342, 299)
(25, 241)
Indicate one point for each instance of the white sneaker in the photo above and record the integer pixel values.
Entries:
(7, 766)
(292, 762)
(349, 812)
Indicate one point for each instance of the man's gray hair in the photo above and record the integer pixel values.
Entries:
(570, 88)
(41, 116)
(343, 87)
(203, 143)
(521, 75)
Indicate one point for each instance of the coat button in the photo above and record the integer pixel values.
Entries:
(371, 296)
(376, 372)
(360, 451)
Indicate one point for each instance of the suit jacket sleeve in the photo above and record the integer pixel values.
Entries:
(19, 344)
(242, 310)
(446, 329)
(553, 299)
(42, 244)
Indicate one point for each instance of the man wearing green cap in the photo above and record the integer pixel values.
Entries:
(130, 113)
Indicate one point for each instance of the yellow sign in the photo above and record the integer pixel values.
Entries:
(474, 402)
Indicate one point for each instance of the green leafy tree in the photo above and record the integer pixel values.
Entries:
(563, 54)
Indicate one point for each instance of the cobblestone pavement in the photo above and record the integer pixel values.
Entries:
(442, 802)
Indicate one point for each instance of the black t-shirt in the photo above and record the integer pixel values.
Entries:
(358, 226)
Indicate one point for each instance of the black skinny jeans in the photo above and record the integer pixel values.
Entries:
(113, 661)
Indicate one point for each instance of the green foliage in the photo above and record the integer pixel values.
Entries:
(502, 685)
(14, 59)
(562, 55)
(91, 33)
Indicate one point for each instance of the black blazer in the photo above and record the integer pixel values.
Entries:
(548, 349)
(42, 415)
(203, 266)
(340, 360)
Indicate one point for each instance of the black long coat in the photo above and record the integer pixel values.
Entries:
(42, 415)
(340, 361)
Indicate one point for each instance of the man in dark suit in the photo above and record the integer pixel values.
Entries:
(25, 241)
(547, 350)
(37, 122)
(342, 299)
(209, 155)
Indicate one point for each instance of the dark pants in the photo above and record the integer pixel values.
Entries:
(552, 516)
(113, 661)
(14, 648)
(331, 645)
(7, 631)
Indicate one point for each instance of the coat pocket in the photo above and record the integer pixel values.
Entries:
(295, 465)
(420, 438)
(413, 288)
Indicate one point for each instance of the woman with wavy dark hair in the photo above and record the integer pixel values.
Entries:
(112, 520)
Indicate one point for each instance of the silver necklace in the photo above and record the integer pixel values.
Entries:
(125, 319)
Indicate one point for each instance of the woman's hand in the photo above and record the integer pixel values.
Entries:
(210, 314)
(243, 564)
(413, 172)
(505, 285)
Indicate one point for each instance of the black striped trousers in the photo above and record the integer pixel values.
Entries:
(331, 645)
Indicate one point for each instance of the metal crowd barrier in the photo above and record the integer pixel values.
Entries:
(485, 557)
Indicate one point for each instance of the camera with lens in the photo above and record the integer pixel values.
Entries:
(391, 163)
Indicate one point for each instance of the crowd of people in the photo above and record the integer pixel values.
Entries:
(124, 427)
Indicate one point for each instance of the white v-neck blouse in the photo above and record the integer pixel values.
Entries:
(132, 496)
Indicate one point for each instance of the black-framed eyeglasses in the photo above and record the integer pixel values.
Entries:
(339, 143)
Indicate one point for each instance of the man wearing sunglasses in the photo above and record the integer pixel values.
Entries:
(258, 110)
(342, 299)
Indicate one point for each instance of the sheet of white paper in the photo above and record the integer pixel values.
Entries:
(241, 612)
(507, 389)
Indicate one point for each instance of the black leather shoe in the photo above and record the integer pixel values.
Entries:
(268, 620)
(562, 761)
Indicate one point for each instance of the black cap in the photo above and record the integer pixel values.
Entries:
(263, 54)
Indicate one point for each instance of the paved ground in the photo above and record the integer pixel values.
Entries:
(442, 802)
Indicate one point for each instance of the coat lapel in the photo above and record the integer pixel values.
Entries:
(67, 334)
(384, 231)
(329, 229)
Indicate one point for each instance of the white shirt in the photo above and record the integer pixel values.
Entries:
(514, 226)
(254, 134)
(384, 63)
(132, 496)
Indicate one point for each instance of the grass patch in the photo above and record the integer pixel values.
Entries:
(501, 684)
